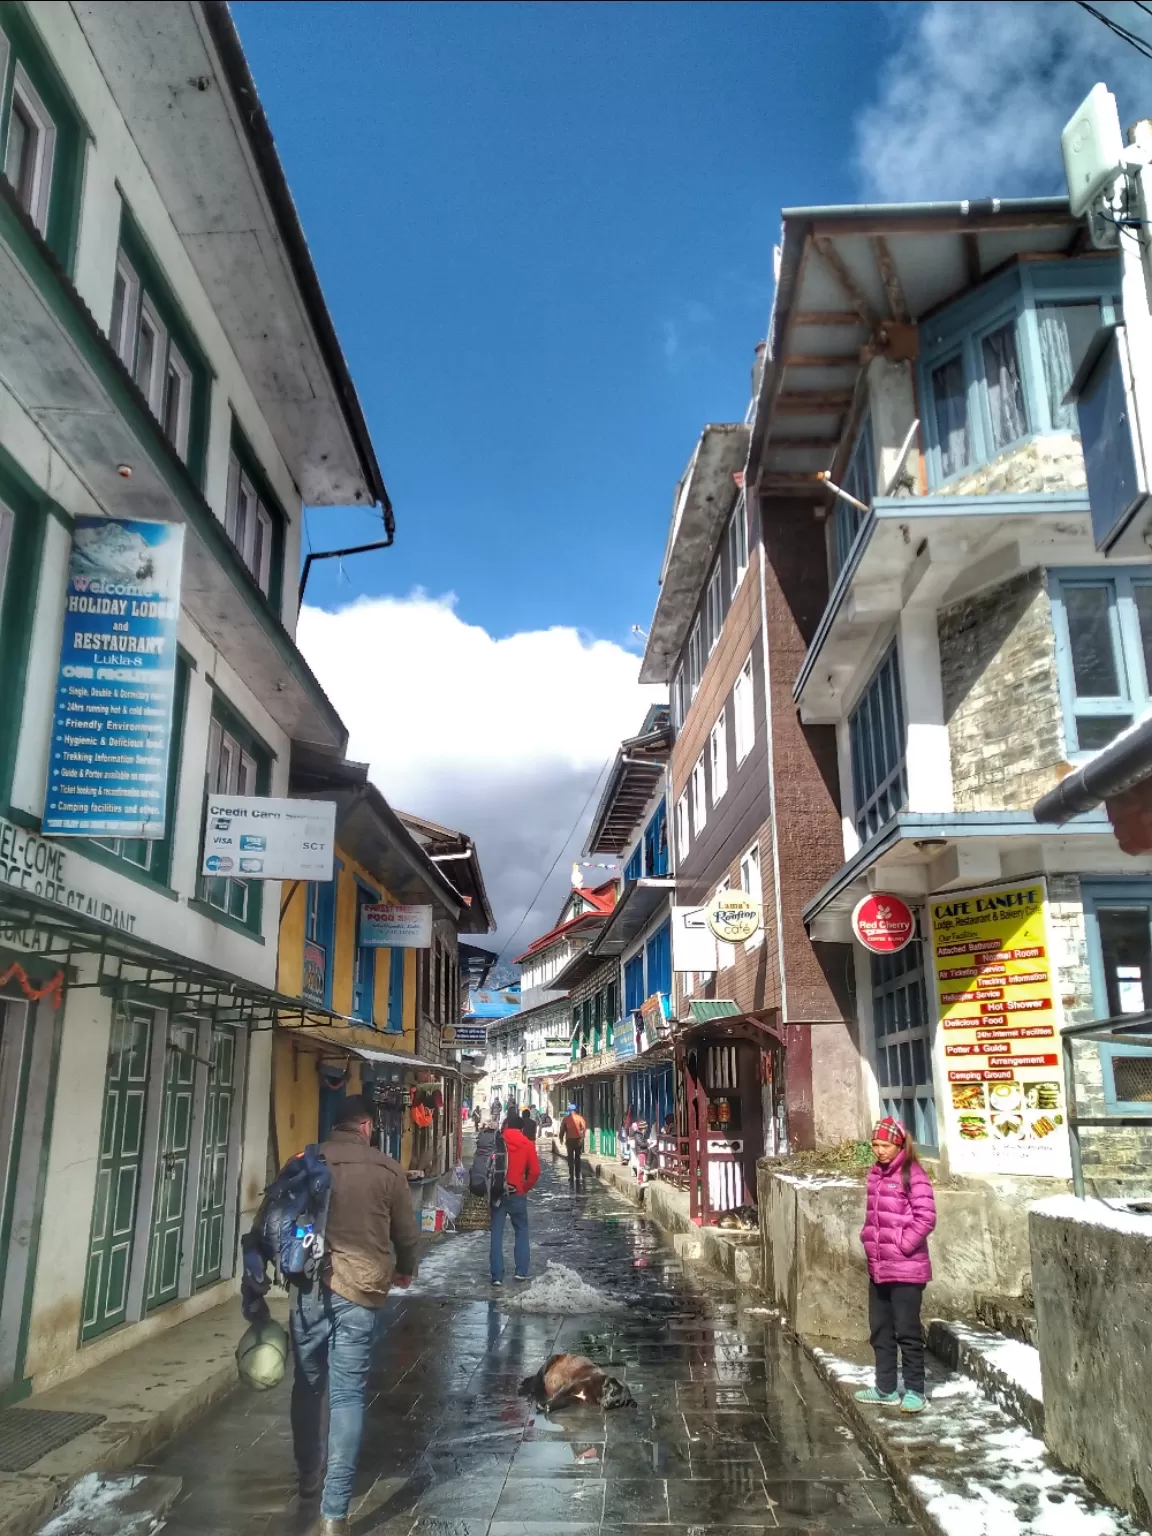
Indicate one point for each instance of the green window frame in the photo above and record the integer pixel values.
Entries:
(150, 859)
(254, 518)
(24, 511)
(46, 169)
(152, 337)
(238, 763)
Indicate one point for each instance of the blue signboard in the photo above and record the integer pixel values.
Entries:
(112, 726)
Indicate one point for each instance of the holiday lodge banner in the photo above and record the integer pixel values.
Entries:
(999, 1036)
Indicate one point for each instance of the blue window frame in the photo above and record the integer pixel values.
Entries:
(633, 983)
(656, 843)
(395, 1023)
(364, 964)
(902, 1033)
(859, 480)
(994, 367)
(319, 933)
(658, 958)
(1118, 919)
(1103, 628)
(878, 744)
(635, 865)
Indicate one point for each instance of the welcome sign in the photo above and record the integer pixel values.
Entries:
(116, 683)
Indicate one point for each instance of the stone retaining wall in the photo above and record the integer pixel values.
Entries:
(1092, 1278)
(814, 1266)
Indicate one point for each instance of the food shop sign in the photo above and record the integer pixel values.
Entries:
(998, 1046)
(883, 923)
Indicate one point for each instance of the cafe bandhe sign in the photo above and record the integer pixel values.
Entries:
(883, 923)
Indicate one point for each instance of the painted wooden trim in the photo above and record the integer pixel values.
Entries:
(186, 1281)
(149, 1162)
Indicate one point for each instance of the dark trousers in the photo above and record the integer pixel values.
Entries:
(894, 1318)
(575, 1149)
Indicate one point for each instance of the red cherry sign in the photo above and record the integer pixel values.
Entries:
(883, 923)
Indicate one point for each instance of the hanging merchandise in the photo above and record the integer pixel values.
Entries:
(421, 1116)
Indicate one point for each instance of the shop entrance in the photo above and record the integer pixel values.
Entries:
(219, 1112)
(164, 1249)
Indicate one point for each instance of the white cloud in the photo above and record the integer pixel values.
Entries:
(974, 95)
(500, 738)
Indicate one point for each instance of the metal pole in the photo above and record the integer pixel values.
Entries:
(1073, 1126)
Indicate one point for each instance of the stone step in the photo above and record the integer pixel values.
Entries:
(964, 1466)
(1006, 1370)
(1013, 1316)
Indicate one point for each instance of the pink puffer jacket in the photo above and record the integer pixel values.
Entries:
(897, 1223)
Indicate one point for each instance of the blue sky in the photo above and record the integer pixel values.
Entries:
(545, 234)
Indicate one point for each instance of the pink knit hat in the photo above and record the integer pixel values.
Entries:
(889, 1129)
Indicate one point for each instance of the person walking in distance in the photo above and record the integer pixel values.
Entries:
(572, 1129)
(333, 1321)
(900, 1213)
(511, 1200)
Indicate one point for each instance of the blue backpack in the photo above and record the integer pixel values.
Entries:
(288, 1232)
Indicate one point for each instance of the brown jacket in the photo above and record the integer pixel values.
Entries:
(370, 1210)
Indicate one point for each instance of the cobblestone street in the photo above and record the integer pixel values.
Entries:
(732, 1426)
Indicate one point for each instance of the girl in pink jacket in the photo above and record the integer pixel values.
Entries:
(900, 1213)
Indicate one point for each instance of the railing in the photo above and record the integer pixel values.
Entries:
(1132, 1030)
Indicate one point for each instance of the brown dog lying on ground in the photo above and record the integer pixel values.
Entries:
(564, 1379)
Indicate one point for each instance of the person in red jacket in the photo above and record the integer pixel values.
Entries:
(523, 1170)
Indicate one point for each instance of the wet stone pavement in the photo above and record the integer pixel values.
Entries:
(732, 1428)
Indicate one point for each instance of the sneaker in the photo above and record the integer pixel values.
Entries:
(497, 1282)
(913, 1403)
(523, 1279)
(870, 1395)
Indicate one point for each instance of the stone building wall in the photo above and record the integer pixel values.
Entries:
(1053, 462)
(1001, 699)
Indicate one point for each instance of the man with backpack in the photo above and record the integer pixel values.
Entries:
(572, 1129)
(334, 1305)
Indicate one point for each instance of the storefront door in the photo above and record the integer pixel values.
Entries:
(118, 1177)
(218, 1114)
(172, 1166)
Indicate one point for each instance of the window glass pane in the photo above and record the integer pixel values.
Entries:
(119, 300)
(146, 356)
(1096, 731)
(1005, 391)
(1065, 331)
(1126, 948)
(950, 400)
(1089, 614)
(20, 154)
(1142, 597)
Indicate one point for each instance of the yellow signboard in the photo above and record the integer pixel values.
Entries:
(999, 1037)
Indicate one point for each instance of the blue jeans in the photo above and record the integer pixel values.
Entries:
(332, 1349)
(515, 1206)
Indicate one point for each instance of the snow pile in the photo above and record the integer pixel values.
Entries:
(109, 1505)
(560, 1291)
(1093, 1213)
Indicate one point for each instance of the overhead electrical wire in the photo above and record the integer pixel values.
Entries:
(560, 854)
(1119, 29)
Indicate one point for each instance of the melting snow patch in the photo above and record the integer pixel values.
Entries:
(560, 1291)
(1093, 1213)
(113, 1505)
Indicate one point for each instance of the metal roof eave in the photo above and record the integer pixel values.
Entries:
(638, 904)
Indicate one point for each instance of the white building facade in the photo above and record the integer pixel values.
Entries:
(165, 358)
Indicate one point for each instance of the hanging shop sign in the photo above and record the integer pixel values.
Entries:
(256, 838)
(463, 1034)
(883, 923)
(693, 942)
(390, 925)
(116, 682)
(624, 1040)
(315, 972)
(999, 1036)
(734, 916)
(655, 1011)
